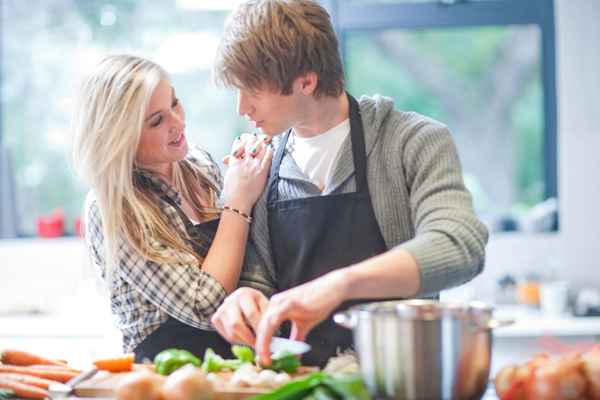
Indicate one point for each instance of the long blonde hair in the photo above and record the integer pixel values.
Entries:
(107, 129)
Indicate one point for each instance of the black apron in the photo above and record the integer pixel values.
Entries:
(174, 333)
(316, 235)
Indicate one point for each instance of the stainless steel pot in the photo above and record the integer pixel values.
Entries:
(421, 349)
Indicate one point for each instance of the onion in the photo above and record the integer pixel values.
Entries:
(140, 385)
(188, 383)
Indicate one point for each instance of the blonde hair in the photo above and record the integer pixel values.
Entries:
(107, 128)
(269, 43)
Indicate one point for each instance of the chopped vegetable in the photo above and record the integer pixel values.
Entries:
(170, 360)
(215, 363)
(286, 362)
(122, 363)
(243, 353)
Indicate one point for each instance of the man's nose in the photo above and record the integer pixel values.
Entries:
(243, 105)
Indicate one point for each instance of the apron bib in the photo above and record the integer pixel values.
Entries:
(316, 235)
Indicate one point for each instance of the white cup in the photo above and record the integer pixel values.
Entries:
(554, 297)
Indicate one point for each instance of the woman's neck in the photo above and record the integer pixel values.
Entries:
(163, 171)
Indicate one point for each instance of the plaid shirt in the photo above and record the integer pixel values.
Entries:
(144, 293)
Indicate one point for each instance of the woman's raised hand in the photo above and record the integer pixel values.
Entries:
(248, 168)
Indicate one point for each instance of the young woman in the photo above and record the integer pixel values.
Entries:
(168, 254)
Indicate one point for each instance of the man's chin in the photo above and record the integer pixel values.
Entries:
(272, 133)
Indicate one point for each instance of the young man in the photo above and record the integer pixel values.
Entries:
(363, 202)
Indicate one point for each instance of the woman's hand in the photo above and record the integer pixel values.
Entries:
(244, 142)
(304, 306)
(246, 177)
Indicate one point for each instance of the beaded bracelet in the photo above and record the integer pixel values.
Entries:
(238, 212)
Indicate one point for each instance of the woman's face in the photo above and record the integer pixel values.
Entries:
(162, 141)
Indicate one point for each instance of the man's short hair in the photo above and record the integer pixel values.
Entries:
(267, 44)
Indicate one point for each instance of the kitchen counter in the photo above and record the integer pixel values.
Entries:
(531, 322)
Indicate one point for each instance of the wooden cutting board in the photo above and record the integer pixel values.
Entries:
(103, 384)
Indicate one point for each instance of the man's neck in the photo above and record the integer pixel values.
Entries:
(322, 114)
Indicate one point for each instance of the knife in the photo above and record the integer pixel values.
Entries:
(280, 345)
(63, 390)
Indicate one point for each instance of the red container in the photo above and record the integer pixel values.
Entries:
(51, 226)
(78, 228)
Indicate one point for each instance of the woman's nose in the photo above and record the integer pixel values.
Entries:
(177, 119)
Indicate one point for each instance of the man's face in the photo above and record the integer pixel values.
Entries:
(271, 112)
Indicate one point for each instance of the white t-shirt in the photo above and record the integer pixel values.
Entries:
(316, 156)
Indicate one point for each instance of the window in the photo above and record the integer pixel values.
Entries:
(46, 47)
(484, 68)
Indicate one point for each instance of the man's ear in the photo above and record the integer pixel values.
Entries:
(307, 83)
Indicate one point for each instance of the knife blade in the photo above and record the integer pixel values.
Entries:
(280, 345)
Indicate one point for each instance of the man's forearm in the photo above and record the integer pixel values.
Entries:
(394, 273)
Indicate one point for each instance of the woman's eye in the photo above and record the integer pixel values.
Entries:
(175, 103)
(156, 122)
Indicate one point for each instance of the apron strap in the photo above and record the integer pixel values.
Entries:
(273, 194)
(359, 152)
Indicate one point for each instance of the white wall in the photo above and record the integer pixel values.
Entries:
(574, 251)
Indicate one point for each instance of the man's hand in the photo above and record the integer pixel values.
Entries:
(305, 306)
(238, 317)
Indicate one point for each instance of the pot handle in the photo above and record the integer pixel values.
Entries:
(345, 319)
(497, 323)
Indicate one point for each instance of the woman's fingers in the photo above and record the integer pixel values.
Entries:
(249, 144)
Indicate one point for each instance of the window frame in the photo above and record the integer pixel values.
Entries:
(348, 17)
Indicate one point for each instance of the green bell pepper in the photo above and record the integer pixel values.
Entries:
(285, 361)
(243, 353)
(215, 363)
(170, 360)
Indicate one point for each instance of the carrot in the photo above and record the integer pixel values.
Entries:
(27, 379)
(23, 358)
(116, 364)
(23, 390)
(55, 368)
(60, 376)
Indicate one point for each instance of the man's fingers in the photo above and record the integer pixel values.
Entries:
(270, 322)
(298, 332)
(251, 312)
